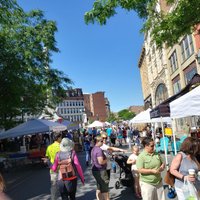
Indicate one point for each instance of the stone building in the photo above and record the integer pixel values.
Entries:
(165, 71)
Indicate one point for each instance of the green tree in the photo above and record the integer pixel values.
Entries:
(125, 114)
(26, 78)
(165, 27)
(112, 117)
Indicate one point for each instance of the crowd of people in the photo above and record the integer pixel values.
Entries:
(147, 165)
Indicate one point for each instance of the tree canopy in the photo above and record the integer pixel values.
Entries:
(112, 117)
(125, 114)
(27, 81)
(166, 27)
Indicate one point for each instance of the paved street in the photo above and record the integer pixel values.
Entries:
(32, 183)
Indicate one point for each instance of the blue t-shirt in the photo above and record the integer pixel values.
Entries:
(109, 131)
(97, 152)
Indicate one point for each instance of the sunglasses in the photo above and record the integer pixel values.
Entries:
(105, 138)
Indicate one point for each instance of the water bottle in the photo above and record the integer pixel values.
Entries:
(114, 167)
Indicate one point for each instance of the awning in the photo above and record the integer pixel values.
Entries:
(187, 105)
(163, 109)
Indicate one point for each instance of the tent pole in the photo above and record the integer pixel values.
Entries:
(153, 132)
(174, 136)
(163, 133)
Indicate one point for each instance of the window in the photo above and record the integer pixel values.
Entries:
(161, 93)
(187, 47)
(173, 62)
(190, 74)
(177, 86)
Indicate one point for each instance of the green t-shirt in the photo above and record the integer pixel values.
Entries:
(149, 161)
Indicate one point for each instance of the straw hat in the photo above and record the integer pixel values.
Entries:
(66, 145)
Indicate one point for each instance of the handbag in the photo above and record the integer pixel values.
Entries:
(169, 178)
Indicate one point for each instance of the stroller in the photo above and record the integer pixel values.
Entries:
(125, 174)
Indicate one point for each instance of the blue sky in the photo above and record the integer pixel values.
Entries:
(96, 58)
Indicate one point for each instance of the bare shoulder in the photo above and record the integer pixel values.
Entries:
(178, 157)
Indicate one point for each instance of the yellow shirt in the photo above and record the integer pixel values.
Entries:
(52, 150)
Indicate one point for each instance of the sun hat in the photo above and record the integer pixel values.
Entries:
(66, 145)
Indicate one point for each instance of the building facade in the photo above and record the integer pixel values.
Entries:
(72, 107)
(136, 109)
(97, 107)
(165, 71)
(145, 79)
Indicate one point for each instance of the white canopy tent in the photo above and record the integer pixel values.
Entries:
(96, 124)
(144, 117)
(186, 105)
(107, 123)
(31, 127)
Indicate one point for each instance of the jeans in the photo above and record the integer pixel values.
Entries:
(68, 189)
(87, 156)
(54, 189)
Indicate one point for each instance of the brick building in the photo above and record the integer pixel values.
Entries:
(97, 107)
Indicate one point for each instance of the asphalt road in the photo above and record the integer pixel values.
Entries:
(33, 183)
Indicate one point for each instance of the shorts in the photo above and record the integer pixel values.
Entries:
(102, 180)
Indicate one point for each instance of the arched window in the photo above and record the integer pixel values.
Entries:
(161, 94)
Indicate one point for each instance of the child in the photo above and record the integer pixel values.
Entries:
(132, 160)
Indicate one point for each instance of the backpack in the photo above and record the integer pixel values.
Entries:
(66, 170)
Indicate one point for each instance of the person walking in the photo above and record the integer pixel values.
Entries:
(51, 151)
(182, 162)
(150, 165)
(132, 160)
(107, 150)
(69, 167)
(99, 172)
(87, 149)
(119, 136)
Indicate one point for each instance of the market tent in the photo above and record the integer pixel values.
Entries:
(107, 123)
(144, 117)
(31, 127)
(70, 125)
(96, 124)
(187, 105)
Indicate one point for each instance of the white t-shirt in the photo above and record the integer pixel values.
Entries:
(133, 157)
(105, 147)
